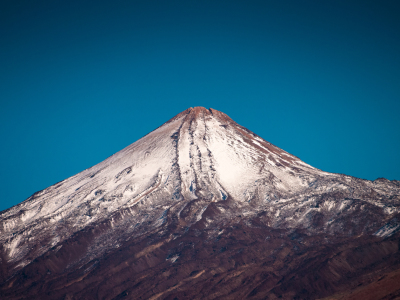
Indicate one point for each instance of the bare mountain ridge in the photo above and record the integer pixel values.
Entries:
(200, 198)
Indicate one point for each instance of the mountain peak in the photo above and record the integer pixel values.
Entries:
(200, 172)
(198, 111)
(201, 112)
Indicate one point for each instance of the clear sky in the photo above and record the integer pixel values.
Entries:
(80, 80)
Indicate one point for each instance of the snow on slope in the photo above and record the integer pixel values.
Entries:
(199, 154)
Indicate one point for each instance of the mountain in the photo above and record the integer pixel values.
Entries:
(202, 208)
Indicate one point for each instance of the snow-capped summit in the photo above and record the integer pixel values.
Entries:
(198, 169)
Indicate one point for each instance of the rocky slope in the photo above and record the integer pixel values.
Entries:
(201, 208)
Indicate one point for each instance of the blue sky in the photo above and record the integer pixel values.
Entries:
(80, 80)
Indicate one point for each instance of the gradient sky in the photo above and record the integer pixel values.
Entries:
(80, 80)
